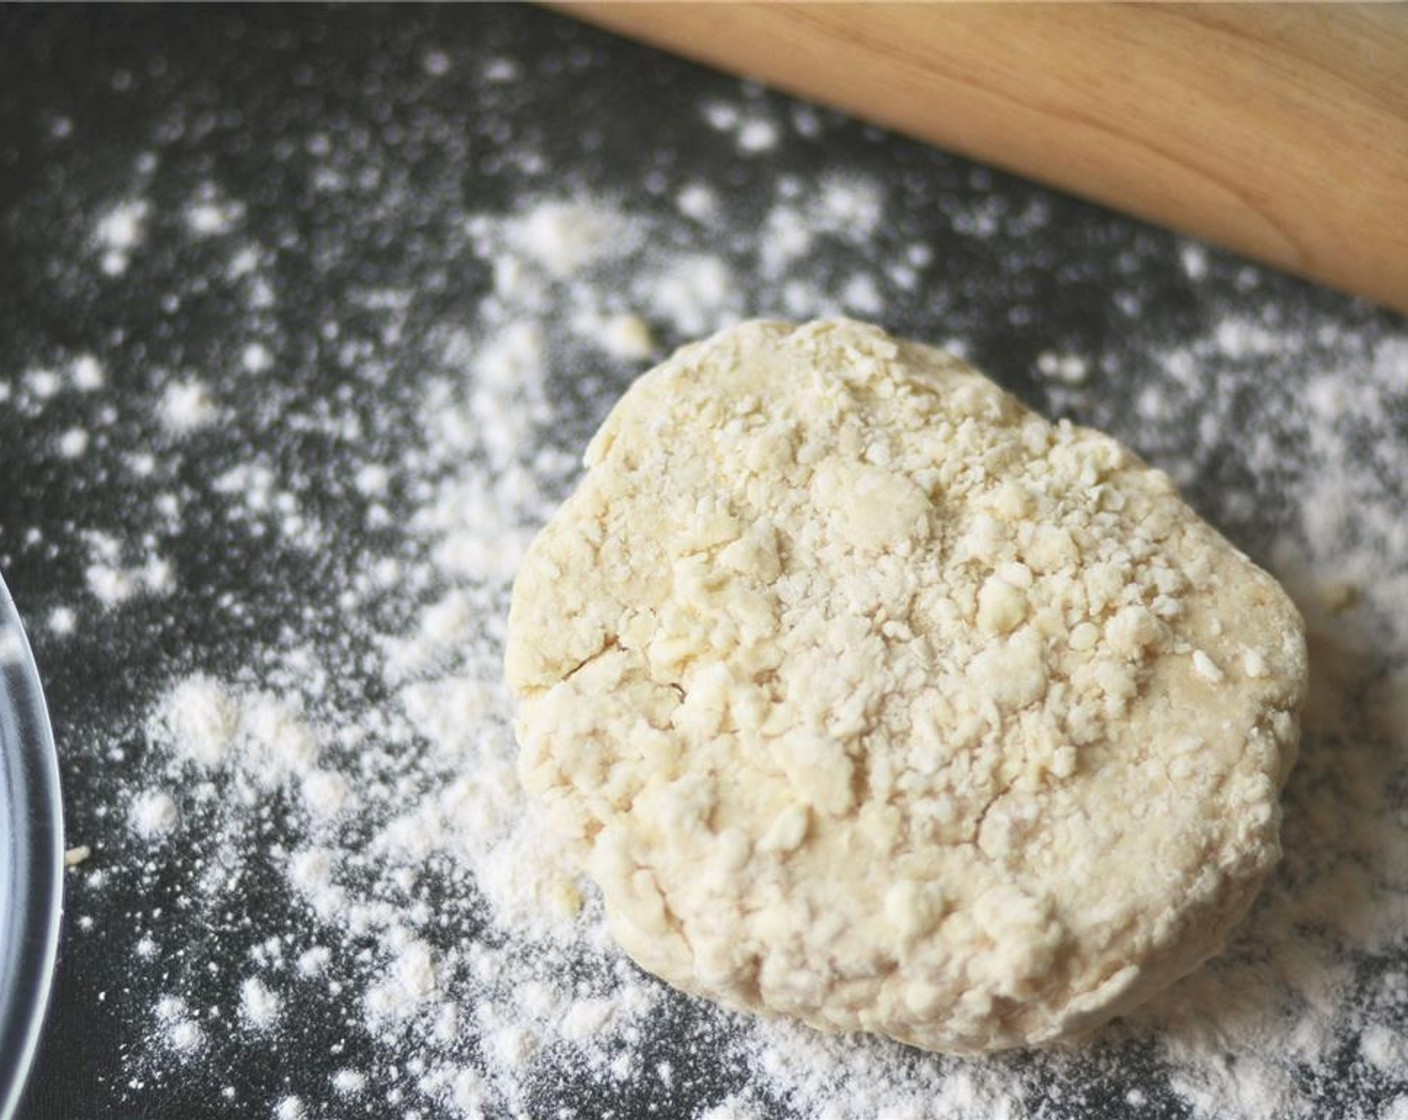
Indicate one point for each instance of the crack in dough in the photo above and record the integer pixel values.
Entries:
(870, 697)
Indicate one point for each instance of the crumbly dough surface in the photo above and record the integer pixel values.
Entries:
(870, 697)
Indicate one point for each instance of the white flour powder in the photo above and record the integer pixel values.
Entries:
(119, 232)
(356, 765)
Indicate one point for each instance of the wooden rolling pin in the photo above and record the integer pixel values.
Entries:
(1278, 131)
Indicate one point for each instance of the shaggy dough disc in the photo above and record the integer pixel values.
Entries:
(872, 698)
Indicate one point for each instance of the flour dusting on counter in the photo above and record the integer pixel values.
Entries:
(317, 789)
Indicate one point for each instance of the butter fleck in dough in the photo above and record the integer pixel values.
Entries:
(870, 697)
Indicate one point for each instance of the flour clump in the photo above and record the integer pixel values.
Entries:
(869, 697)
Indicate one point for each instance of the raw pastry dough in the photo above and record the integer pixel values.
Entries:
(870, 697)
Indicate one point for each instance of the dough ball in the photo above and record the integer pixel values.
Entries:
(868, 696)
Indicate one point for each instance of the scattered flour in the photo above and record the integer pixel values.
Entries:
(563, 237)
(209, 218)
(182, 1033)
(112, 584)
(118, 232)
(154, 814)
(256, 358)
(87, 374)
(290, 1108)
(43, 384)
(1070, 368)
(339, 768)
(502, 70)
(259, 1007)
(757, 135)
(188, 405)
(73, 443)
(349, 1082)
(697, 201)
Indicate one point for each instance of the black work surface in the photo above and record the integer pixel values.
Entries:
(96, 103)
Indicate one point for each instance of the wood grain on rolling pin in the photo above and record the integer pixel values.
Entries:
(1277, 131)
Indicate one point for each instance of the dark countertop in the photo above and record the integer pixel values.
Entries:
(94, 101)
